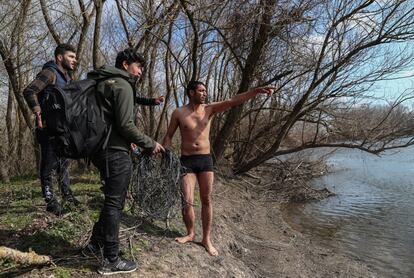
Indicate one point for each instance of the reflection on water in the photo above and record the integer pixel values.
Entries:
(372, 216)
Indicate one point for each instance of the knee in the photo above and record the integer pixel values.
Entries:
(206, 200)
(46, 175)
(114, 202)
(187, 204)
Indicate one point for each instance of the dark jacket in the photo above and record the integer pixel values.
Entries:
(116, 94)
(35, 92)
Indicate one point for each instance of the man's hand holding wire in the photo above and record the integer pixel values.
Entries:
(158, 148)
(39, 120)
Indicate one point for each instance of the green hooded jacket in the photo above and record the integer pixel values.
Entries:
(116, 94)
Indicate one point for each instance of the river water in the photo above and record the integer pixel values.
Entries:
(372, 216)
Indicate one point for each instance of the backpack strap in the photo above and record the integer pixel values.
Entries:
(99, 80)
(105, 144)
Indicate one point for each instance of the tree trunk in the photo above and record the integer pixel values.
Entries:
(49, 24)
(10, 68)
(4, 167)
(194, 49)
(21, 149)
(86, 21)
(9, 124)
(97, 34)
(167, 81)
(151, 89)
(248, 71)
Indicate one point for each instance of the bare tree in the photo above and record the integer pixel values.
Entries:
(323, 57)
(338, 71)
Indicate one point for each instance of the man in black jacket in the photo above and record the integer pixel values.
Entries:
(53, 72)
(116, 94)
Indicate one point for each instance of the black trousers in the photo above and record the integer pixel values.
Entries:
(115, 167)
(50, 163)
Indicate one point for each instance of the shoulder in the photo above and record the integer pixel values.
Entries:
(48, 70)
(116, 80)
(47, 75)
(209, 107)
(117, 83)
(177, 112)
(181, 110)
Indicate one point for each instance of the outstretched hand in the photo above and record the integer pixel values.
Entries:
(269, 90)
(159, 99)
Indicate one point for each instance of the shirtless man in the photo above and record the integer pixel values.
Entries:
(194, 121)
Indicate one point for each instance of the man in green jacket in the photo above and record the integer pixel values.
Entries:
(116, 94)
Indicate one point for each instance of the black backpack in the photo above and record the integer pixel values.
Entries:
(75, 121)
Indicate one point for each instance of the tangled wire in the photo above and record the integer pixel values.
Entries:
(155, 185)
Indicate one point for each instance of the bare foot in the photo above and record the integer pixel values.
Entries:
(210, 248)
(184, 239)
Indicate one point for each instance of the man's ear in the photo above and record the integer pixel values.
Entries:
(125, 65)
(59, 58)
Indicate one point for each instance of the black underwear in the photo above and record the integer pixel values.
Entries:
(197, 163)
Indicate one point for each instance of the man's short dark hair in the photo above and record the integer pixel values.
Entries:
(129, 55)
(63, 48)
(192, 86)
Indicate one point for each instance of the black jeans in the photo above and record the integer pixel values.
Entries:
(49, 163)
(115, 167)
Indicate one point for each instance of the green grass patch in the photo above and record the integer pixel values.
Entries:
(5, 264)
(60, 272)
(23, 179)
(25, 225)
(16, 222)
(197, 200)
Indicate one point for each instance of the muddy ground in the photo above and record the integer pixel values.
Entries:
(249, 232)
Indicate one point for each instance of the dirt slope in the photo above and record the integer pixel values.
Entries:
(249, 232)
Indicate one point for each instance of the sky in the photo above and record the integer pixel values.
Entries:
(391, 89)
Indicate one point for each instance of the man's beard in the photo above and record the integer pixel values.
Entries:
(203, 101)
(66, 65)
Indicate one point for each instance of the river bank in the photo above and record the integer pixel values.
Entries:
(249, 232)
(371, 217)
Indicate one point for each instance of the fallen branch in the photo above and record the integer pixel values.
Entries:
(252, 176)
(30, 258)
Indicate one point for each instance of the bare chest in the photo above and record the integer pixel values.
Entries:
(195, 121)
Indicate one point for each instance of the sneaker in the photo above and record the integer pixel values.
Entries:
(92, 250)
(120, 265)
(54, 207)
(95, 250)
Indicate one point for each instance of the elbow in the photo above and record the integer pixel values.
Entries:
(126, 131)
(166, 141)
